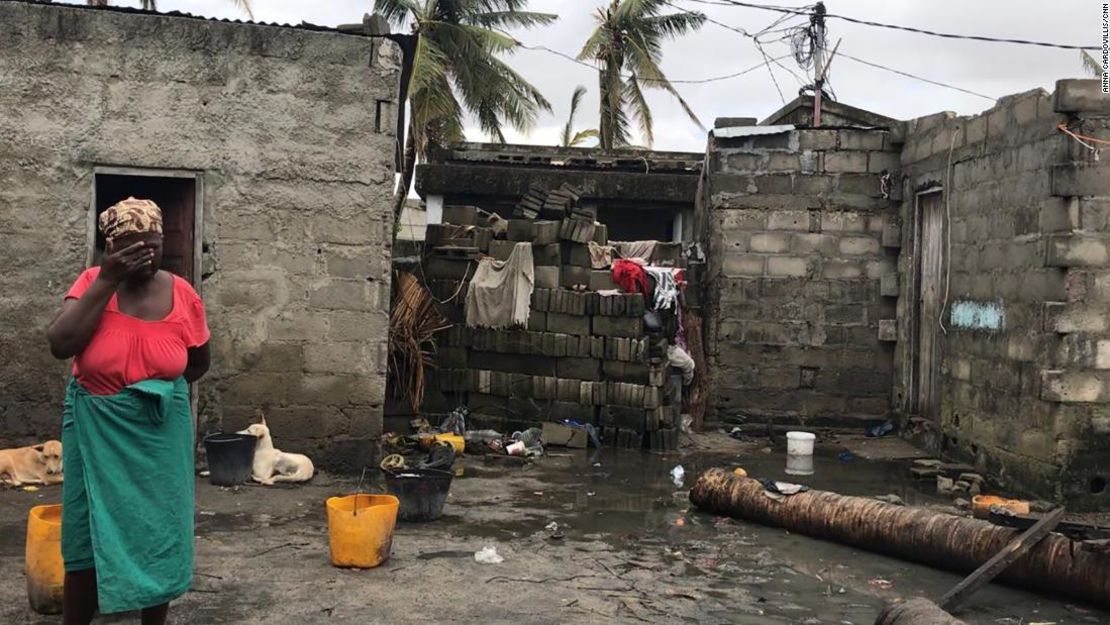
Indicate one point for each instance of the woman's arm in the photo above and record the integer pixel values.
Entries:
(199, 360)
(74, 326)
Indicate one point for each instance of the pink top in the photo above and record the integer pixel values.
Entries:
(125, 349)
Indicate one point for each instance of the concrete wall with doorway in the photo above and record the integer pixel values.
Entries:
(282, 128)
(1023, 332)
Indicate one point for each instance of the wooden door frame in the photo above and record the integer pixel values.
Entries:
(913, 404)
(198, 208)
(198, 240)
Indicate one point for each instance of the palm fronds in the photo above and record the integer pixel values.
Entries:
(1091, 64)
(413, 323)
(629, 38)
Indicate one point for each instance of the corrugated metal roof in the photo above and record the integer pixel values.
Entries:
(183, 15)
(750, 131)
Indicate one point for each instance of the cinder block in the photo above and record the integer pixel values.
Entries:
(451, 357)
(631, 372)
(628, 327)
(547, 277)
(577, 254)
(889, 285)
(1076, 386)
(460, 215)
(888, 330)
(788, 220)
(861, 139)
(601, 234)
(892, 235)
(546, 255)
(1075, 250)
(786, 266)
(1081, 179)
(541, 299)
(569, 324)
(841, 270)
(859, 246)
(770, 242)
(1079, 95)
(601, 280)
(568, 390)
(621, 417)
(1062, 318)
(537, 321)
(812, 139)
(579, 369)
(740, 265)
(846, 162)
(574, 277)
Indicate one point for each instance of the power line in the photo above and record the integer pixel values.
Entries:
(689, 81)
(908, 75)
(920, 31)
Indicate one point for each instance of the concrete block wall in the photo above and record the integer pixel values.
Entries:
(281, 124)
(797, 230)
(1026, 397)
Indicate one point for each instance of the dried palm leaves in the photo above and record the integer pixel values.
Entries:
(413, 322)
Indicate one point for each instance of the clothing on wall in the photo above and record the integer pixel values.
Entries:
(500, 294)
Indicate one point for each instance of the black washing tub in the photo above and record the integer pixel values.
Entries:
(422, 492)
(230, 456)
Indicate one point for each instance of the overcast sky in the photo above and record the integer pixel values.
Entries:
(993, 69)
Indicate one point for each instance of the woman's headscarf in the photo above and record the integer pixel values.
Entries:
(131, 216)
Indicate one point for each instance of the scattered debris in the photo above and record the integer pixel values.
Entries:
(488, 555)
(944, 485)
(881, 429)
(892, 499)
(914, 612)
(880, 583)
(677, 475)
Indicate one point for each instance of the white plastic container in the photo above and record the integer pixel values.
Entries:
(799, 465)
(800, 443)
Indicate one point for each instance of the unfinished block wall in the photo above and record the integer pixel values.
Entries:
(584, 355)
(289, 131)
(801, 231)
(1024, 355)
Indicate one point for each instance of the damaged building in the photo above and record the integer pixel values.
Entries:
(949, 271)
(271, 150)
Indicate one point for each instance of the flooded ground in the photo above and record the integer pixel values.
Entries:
(628, 549)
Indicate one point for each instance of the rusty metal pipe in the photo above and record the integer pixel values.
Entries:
(1055, 565)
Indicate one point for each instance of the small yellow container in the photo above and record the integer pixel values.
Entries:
(43, 559)
(981, 505)
(360, 529)
(458, 442)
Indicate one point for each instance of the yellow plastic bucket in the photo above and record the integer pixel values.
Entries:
(43, 559)
(360, 529)
(458, 442)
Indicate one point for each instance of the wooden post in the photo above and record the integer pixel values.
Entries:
(1004, 558)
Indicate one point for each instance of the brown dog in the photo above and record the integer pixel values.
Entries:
(37, 464)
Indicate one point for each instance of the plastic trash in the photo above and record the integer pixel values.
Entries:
(881, 429)
(529, 436)
(846, 456)
(516, 449)
(687, 421)
(677, 475)
(488, 555)
(455, 423)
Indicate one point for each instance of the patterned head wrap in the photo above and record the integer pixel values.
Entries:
(130, 216)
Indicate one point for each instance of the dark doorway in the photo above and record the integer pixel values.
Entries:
(175, 195)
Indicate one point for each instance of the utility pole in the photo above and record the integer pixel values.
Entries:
(817, 23)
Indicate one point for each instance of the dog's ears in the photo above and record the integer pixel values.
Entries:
(39, 448)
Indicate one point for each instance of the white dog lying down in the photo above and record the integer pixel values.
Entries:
(273, 465)
(37, 464)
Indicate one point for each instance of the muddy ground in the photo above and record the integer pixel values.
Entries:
(631, 550)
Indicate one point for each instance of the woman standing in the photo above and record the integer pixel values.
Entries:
(138, 336)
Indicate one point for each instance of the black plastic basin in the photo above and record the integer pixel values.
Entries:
(230, 457)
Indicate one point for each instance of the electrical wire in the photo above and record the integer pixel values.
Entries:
(920, 31)
(909, 75)
(688, 81)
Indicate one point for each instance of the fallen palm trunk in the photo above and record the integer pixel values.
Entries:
(916, 612)
(942, 540)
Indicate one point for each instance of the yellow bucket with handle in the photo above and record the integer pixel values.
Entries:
(43, 559)
(360, 529)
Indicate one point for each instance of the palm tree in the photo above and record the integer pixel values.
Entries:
(629, 36)
(571, 138)
(152, 5)
(1090, 64)
(456, 69)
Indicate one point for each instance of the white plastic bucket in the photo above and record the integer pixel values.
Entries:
(799, 465)
(800, 443)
